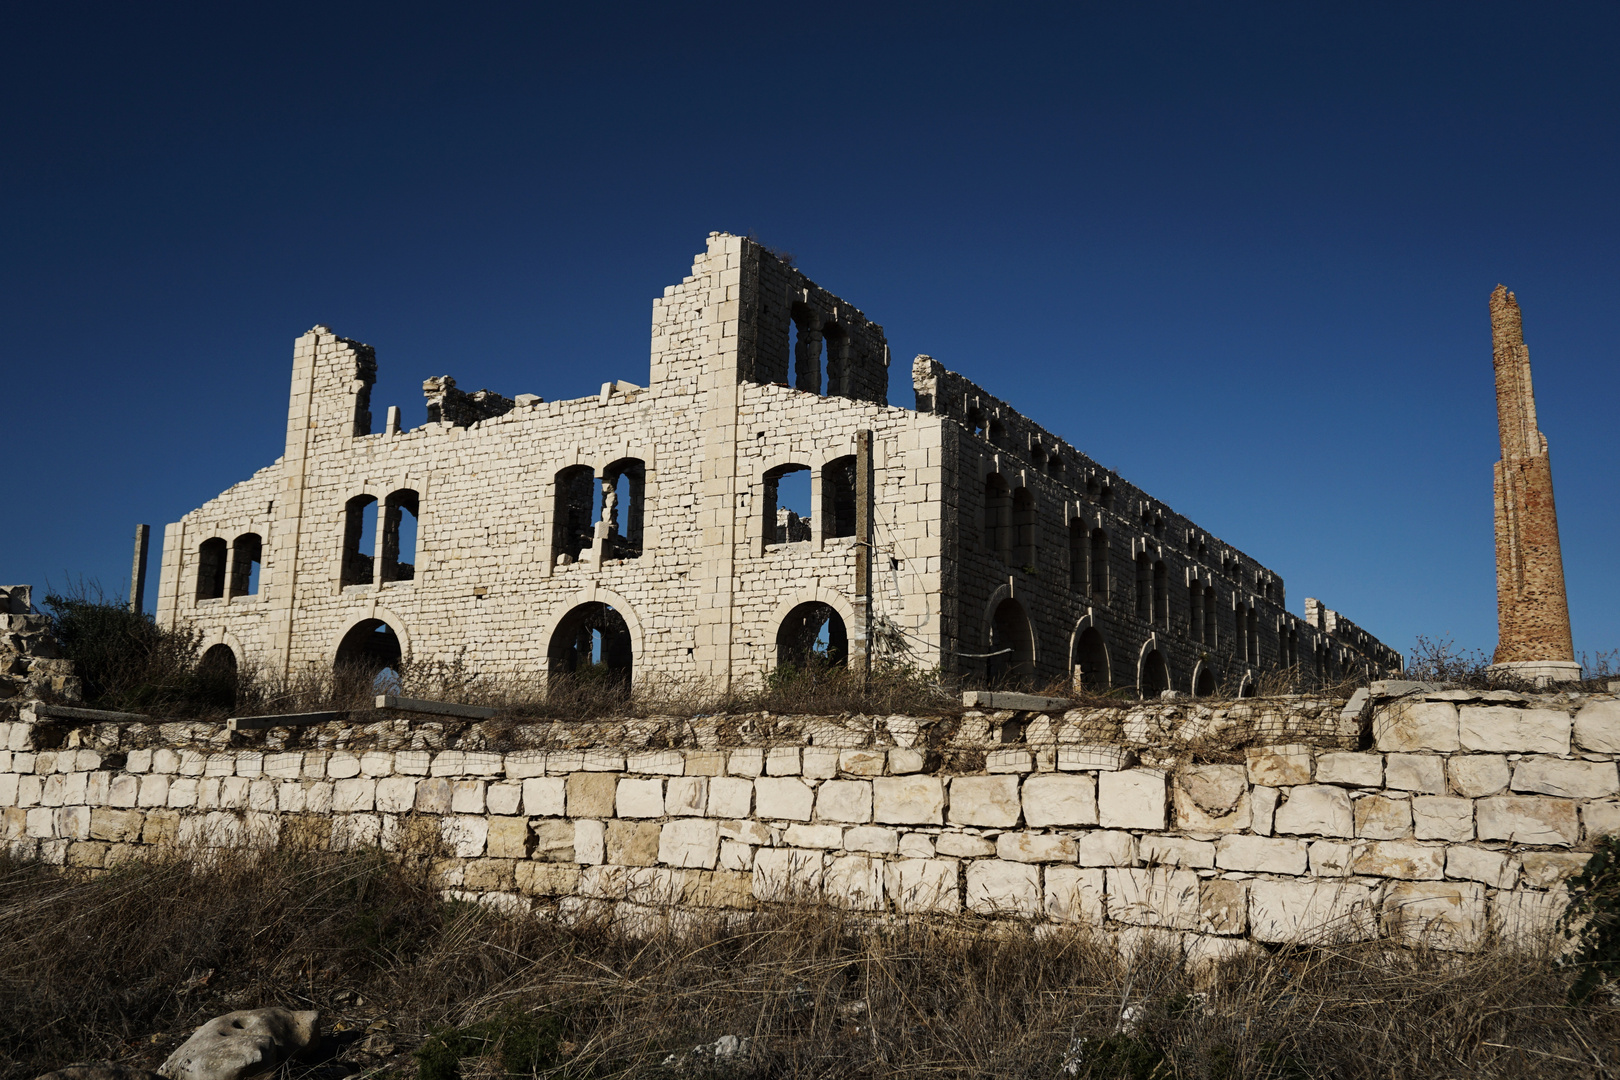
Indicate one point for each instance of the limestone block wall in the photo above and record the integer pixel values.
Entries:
(1456, 824)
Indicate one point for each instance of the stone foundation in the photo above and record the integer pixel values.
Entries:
(1450, 817)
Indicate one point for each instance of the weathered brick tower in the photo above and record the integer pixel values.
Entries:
(1532, 609)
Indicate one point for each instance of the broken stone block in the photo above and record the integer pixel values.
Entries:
(1315, 810)
(1154, 897)
(1597, 726)
(1310, 912)
(1131, 799)
(689, 842)
(243, 1044)
(1504, 729)
(908, 800)
(923, 885)
(1566, 779)
(1415, 772)
(1478, 775)
(1223, 906)
(554, 840)
(1437, 817)
(1211, 798)
(985, 800)
(1440, 915)
(1493, 868)
(1261, 854)
(861, 762)
(1278, 766)
(1600, 819)
(1381, 818)
(1052, 799)
(1031, 847)
(1400, 859)
(1406, 725)
(1527, 819)
(783, 798)
(1352, 770)
(1545, 869)
(844, 800)
(995, 887)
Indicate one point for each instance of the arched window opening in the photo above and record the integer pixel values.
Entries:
(1240, 634)
(812, 636)
(1253, 616)
(786, 505)
(806, 350)
(1195, 613)
(838, 496)
(998, 432)
(247, 551)
(1144, 587)
(359, 540)
(997, 516)
(1292, 645)
(1204, 681)
(1098, 566)
(1024, 527)
(1077, 555)
(838, 359)
(622, 512)
(1091, 660)
(592, 643)
(1054, 466)
(573, 502)
(1161, 595)
(1155, 677)
(399, 536)
(976, 423)
(1247, 687)
(216, 675)
(1037, 457)
(369, 655)
(1105, 497)
(211, 568)
(1012, 641)
(1211, 629)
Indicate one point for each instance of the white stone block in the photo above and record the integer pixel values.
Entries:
(856, 882)
(1494, 868)
(1504, 729)
(545, 796)
(396, 794)
(1597, 726)
(1437, 817)
(1399, 859)
(872, 838)
(963, 846)
(639, 799)
(1279, 766)
(908, 800)
(503, 799)
(813, 836)
(782, 761)
(354, 795)
(1053, 799)
(284, 766)
(788, 874)
(917, 846)
(1153, 897)
(1262, 808)
(689, 842)
(1010, 760)
(903, 761)
(1379, 817)
(1073, 895)
(1131, 799)
(590, 841)
(1415, 772)
(736, 856)
(746, 762)
(1033, 847)
(1566, 779)
(1527, 920)
(250, 765)
(1527, 819)
(1211, 799)
(465, 835)
(783, 798)
(449, 763)
(342, 765)
(1547, 869)
(659, 762)
(1407, 725)
(1105, 847)
(525, 764)
(1600, 819)
(1448, 915)
(995, 887)
(165, 761)
(1352, 770)
(820, 762)
(924, 885)
(1478, 775)
(373, 763)
(730, 797)
(861, 762)
(467, 796)
(1263, 855)
(154, 790)
(1315, 810)
(1311, 912)
(1178, 851)
(686, 796)
(844, 800)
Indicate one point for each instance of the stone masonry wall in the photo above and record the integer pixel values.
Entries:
(1456, 823)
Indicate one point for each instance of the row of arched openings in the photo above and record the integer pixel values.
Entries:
(229, 570)
(395, 520)
(786, 513)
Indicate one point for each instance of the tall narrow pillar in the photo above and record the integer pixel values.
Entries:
(137, 573)
(1532, 609)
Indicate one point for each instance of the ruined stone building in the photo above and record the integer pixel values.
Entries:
(647, 528)
(1532, 609)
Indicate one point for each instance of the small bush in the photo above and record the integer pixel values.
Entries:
(1592, 921)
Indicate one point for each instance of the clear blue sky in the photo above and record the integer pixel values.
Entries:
(1239, 253)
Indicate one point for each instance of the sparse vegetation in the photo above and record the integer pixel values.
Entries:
(119, 967)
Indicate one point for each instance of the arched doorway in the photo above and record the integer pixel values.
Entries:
(369, 651)
(216, 675)
(1204, 681)
(812, 635)
(1012, 643)
(1091, 660)
(592, 642)
(1154, 678)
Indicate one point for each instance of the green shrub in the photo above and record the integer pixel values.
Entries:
(1592, 920)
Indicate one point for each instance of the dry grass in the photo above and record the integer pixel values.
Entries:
(121, 966)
